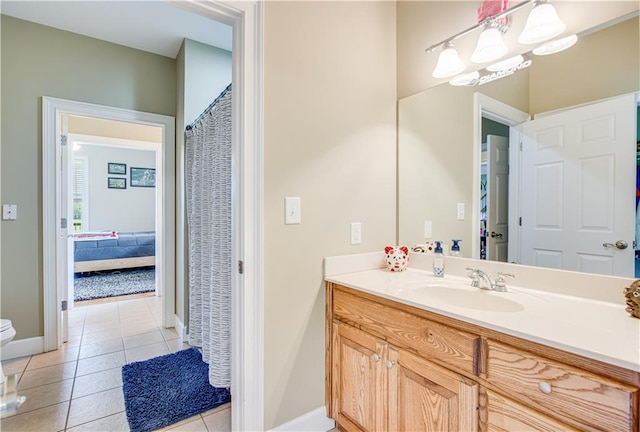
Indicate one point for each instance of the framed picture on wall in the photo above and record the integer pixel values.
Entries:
(116, 182)
(142, 177)
(116, 168)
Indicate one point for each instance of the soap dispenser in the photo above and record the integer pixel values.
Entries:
(438, 260)
(455, 248)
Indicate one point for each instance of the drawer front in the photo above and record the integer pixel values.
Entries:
(504, 414)
(596, 402)
(435, 341)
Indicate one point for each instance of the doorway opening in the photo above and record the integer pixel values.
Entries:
(112, 169)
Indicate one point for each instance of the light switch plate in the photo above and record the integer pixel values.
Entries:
(356, 233)
(292, 211)
(9, 212)
(460, 211)
(427, 229)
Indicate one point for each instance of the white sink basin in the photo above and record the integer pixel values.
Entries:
(462, 295)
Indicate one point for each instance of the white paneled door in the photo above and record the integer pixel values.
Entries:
(497, 198)
(578, 198)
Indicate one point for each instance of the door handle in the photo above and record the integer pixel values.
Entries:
(496, 235)
(620, 244)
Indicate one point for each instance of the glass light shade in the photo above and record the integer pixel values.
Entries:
(490, 46)
(542, 24)
(449, 63)
(556, 45)
(506, 64)
(465, 79)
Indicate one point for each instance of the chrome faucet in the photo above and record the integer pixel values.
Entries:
(478, 276)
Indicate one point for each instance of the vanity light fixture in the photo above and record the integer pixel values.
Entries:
(542, 24)
(490, 46)
(469, 79)
(449, 62)
(556, 46)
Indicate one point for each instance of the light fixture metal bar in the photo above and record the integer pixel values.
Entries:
(480, 24)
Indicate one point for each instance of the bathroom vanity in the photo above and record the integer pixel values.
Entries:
(408, 351)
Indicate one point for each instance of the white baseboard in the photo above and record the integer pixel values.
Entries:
(22, 347)
(181, 329)
(313, 421)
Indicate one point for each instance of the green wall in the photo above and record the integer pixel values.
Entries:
(41, 61)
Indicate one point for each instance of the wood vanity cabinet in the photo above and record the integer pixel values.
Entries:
(380, 387)
(393, 367)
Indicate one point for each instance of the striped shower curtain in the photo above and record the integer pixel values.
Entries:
(208, 181)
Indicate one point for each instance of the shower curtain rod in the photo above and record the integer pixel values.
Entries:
(209, 108)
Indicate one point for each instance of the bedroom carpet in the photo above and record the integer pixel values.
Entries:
(166, 389)
(113, 284)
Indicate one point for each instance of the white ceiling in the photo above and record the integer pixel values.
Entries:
(148, 25)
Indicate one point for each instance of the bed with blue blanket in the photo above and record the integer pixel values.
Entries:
(113, 250)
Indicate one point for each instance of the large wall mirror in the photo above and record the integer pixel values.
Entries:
(453, 140)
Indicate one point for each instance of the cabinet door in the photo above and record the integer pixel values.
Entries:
(426, 397)
(505, 415)
(359, 380)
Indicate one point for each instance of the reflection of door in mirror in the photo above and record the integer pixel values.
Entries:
(494, 236)
(580, 199)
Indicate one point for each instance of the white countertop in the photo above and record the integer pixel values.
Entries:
(595, 329)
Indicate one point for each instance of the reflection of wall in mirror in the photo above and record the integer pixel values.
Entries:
(436, 126)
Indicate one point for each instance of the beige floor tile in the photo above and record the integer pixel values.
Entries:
(194, 424)
(95, 406)
(46, 395)
(143, 339)
(216, 409)
(99, 337)
(138, 329)
(73, 342)
(75, 332)
(169, 333)
(47, 375)
(96, 349)
(113, 423)
(219, 421)
(146, 352)
(63, 355)
(97, 382)
(177, 345)
(15, 366)
(101, 326)
(100, 363)
(42, 420)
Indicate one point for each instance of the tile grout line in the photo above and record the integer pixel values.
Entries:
(75, 373)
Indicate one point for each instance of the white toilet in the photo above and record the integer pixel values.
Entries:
(9, 400)
(7, 333)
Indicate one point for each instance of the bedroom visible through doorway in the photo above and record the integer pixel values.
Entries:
(112, 200)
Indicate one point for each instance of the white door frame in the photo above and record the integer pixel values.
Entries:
(247, 384)
(484, 106)
(247, 352)
(52, 111)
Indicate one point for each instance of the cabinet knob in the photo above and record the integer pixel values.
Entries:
(375, 357)
(390, 364)
(544, 387)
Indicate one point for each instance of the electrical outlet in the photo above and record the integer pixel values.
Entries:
(9, 212)
(356, 233)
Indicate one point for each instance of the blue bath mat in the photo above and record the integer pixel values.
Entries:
(167, 389)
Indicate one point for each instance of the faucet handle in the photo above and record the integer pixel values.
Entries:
(474, 275)
(500, 284)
